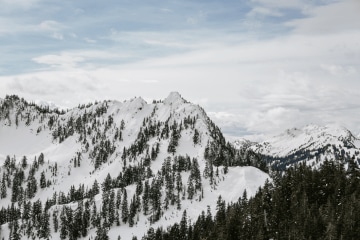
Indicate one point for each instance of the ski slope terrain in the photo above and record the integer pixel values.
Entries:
(114, 168)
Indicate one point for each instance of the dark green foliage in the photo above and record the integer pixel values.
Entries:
(155, 200)
(63, 225)
(107, 184)
(24, 162)
(44, 231)
(145, 197)
(41, 159)
(42, 180)
(55, 221)
(14, 231)
(301, 203)
(175, 136)
(101, 233)
(124, 207)
(196, 137)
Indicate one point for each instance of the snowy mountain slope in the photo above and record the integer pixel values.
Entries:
(311, 143)
(57, 157)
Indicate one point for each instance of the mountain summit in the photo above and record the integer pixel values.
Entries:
(174, 98)
(109, 168)
(311, 143)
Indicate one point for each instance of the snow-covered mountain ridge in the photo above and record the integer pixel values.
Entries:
(310, 137)
(78, 163)
(312, 143)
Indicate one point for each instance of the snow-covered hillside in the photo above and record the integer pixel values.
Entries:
(163, 157)
(311, 143)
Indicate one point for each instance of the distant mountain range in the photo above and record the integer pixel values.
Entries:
(116, 169)
(311, 143)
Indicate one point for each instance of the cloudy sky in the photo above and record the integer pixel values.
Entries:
(257, 66)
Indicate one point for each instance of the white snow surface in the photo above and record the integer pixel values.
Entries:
(309, 137)
(23, 140)
(230, 187)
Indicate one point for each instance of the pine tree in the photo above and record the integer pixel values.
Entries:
(101, 233)
(112, 208)
(117, 218)
(95, 188)
(107, 184)
(41, 159)
(190, 190)
(124, 208)
(3, 188)
(220, 216)
(26, 211)
(71, 227)
(155, 199)
(15, 231)
(196, 137)
(45, 226)
(63, 225)
(78, 219)
(183, 227)
(86, 219)
(42, 180)
(145, 197)
(15, 188)
(24, 162)
(93, 219)
(195, 174)
(118, 199)
(105, 204)
(55, 221)
(132, 211)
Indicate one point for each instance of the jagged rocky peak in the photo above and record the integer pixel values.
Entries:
(311, 143)
(174, 98)
(314, 131)
(135, 103)
(243, 143)
(138, 100)
(331, 131)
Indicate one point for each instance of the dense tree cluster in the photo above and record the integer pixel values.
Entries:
(23, 110)
(339, 152)
(100, 134)
(154, 193)
(301, 203)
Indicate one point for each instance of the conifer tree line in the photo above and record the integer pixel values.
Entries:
(300, 203)
(99, 135)
(154, 193)
(341, 153)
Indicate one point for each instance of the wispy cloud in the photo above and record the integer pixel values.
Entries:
(166, 10)
(195, 19)
(53, 27)
(262, 11)
(72, 59)
(62, 60)
(50, 25)
(89, 40)
(321, 20)
(283, 4)
(15, 4)
(262, 66)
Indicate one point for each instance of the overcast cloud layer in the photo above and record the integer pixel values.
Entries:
(257, 67)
